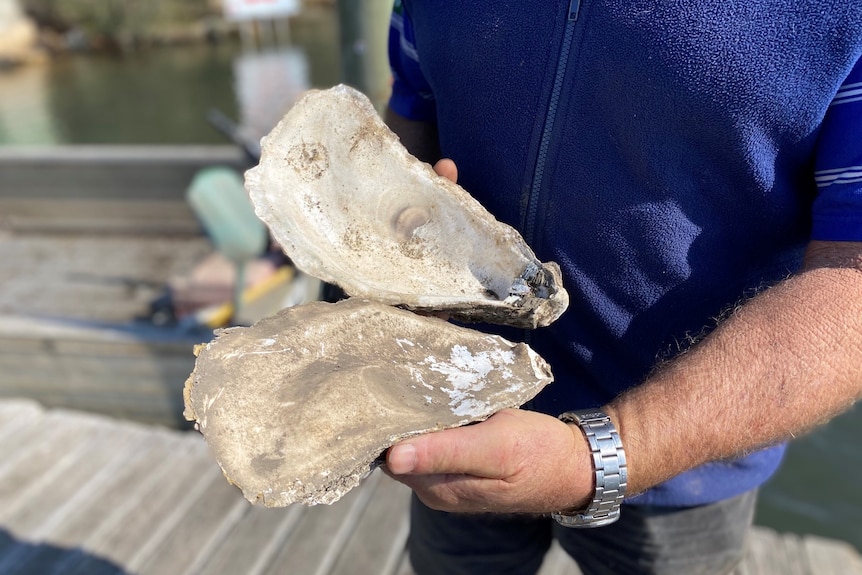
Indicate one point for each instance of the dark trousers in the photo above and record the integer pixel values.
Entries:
(709, 539)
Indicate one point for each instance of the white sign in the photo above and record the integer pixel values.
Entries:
(259, 9)
(267, 85)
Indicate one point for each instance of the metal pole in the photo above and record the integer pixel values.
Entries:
(364, 26)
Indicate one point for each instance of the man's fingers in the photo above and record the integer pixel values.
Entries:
(462, 493)
(447, 169)
(509, 463)
(472, 450)
(401, 459)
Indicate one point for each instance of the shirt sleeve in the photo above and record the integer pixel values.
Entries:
(411, 94)
(837, 210)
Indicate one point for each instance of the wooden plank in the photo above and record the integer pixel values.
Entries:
(83, 216)
(77, 377)
(558, 562)
(831, 556)
(377, 542)
(148, 514)
(138, 362)
(91, 495)
(158, 409)
(107, 172)
(117, 371)
(404, 566)
(767, 554)
(103, 155)
(18, 414)
(105, 456)
(29, 469)
(104, 188)
(68, 336)
(201, 528)
(26, 471)
(102, 506)
(15, 443)
(315, 544)
(74, 472)
(253, 543)
(161, 404)
(88, 277)
(102, 341)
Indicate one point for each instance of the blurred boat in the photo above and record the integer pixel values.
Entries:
(108, 280)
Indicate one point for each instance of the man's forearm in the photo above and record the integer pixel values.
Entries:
(785, 361)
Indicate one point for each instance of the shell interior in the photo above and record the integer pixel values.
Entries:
(349, 205)
(299, 407)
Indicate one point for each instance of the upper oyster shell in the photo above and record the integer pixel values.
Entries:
(349, 205)
(299, 407)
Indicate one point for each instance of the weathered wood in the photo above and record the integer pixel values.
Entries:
(89, 277)
(66, 331)
(16, 416)
(147, 388)
(831, 556)
(74, 188)
(380, 534)
(84, 494)
(48, 508)
(140, 529)
(324, 530)
(204, 523)
(27, 470)
(557, 562)
(87, 215)
(99, 506)
(147, 525)
(254, 542)
(767, 554)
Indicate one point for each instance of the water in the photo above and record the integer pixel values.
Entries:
(817, 490)
(153, 97)
(161, 96)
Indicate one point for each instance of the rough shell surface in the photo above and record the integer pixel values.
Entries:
(299, 407)
(349, 205)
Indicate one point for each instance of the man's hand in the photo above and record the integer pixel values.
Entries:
(447, 169)
(514, 462)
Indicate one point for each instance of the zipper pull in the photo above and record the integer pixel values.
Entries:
(574, 6)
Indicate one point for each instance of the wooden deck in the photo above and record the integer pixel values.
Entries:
(91, 236)
(86, 494)
(67, 332)
(103, 188)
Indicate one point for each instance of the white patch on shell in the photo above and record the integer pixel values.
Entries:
(402, 342)
(467, 373)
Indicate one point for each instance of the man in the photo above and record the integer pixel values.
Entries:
(696, 169)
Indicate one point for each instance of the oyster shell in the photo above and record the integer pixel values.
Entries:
(299, 407)
(349, 205)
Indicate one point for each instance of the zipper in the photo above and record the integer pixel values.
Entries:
(529, 226)
(535, 194)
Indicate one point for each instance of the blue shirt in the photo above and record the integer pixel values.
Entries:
(674, 159)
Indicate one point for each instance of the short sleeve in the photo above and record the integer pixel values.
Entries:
(411, 94)
(837, 210)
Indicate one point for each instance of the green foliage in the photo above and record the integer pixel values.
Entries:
(117, 18)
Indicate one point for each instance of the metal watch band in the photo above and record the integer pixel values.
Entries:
(609, 462)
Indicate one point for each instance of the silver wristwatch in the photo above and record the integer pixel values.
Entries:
(609, 462)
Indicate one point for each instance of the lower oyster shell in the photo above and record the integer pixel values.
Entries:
(299, 407)
(349, 205)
